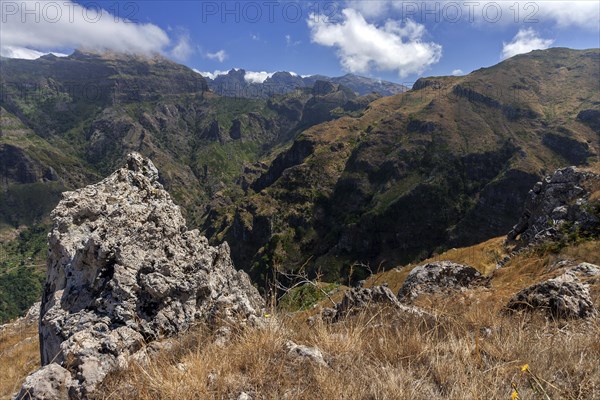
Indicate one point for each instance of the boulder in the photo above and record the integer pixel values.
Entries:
(562, 297)
(439, 277)
(49, 382)
(124, 271)
(587, 272)
(359, 299)
(300, 352)
(557, 206)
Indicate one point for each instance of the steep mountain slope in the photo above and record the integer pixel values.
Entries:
(66, 122)
(448, 163)
(97, 107)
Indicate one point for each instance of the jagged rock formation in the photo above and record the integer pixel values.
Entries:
(439, 277)
(558, 206)
(565, 296)
(123, 271)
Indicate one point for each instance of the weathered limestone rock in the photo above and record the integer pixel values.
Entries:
(123, 270)
(587, 272)
(561, 297)
(49, 382)
(439, 277)
(300, 352)
(559, 205)
(358, 299)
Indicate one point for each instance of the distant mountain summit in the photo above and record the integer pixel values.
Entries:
(240, 83)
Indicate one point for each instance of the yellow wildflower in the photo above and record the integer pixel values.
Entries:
(514, 395)
(525, 368)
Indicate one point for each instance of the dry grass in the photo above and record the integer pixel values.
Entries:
(380, 355)
(482, 256)
(19, 356)
(472, 350)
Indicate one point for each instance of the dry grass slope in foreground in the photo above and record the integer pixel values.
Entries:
(19, 355)
(470, 350)
(380, 356)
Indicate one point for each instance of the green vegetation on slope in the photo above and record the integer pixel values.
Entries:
(444, 165)
(22, 271)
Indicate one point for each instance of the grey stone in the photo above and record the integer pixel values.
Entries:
(33, 314)
(562, 297)
(585, 271)
(124, 271)
(358, 299)
(244, 396)
(301, 352)
(439, 277)
(49, 382)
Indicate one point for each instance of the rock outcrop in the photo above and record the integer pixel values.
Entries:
(359, 299)
(566, 296)
(123, 271)
(439, 277)
(558, 206)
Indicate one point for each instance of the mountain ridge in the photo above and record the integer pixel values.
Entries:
(319, 174)
(235, 83)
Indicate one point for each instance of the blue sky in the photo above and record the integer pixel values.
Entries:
(392, 40)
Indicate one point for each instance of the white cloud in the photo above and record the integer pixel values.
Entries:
(525, 41)
(183, 49)
(220, 55)
(290, 43)
(25, 53)
(584, 14)
(66, 24)
(362, 46)
(211, 75)
(250, 76)
(563, 13)
(257, 77)
(457, 72)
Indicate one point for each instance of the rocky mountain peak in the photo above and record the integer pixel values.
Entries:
(124, 271)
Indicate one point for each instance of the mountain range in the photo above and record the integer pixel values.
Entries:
(238, 83)
(323, 177)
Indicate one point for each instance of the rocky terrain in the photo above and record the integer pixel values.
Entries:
(137, 306)
(561, 207)
(124, 273)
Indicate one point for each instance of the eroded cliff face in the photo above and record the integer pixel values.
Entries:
(123, 271)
